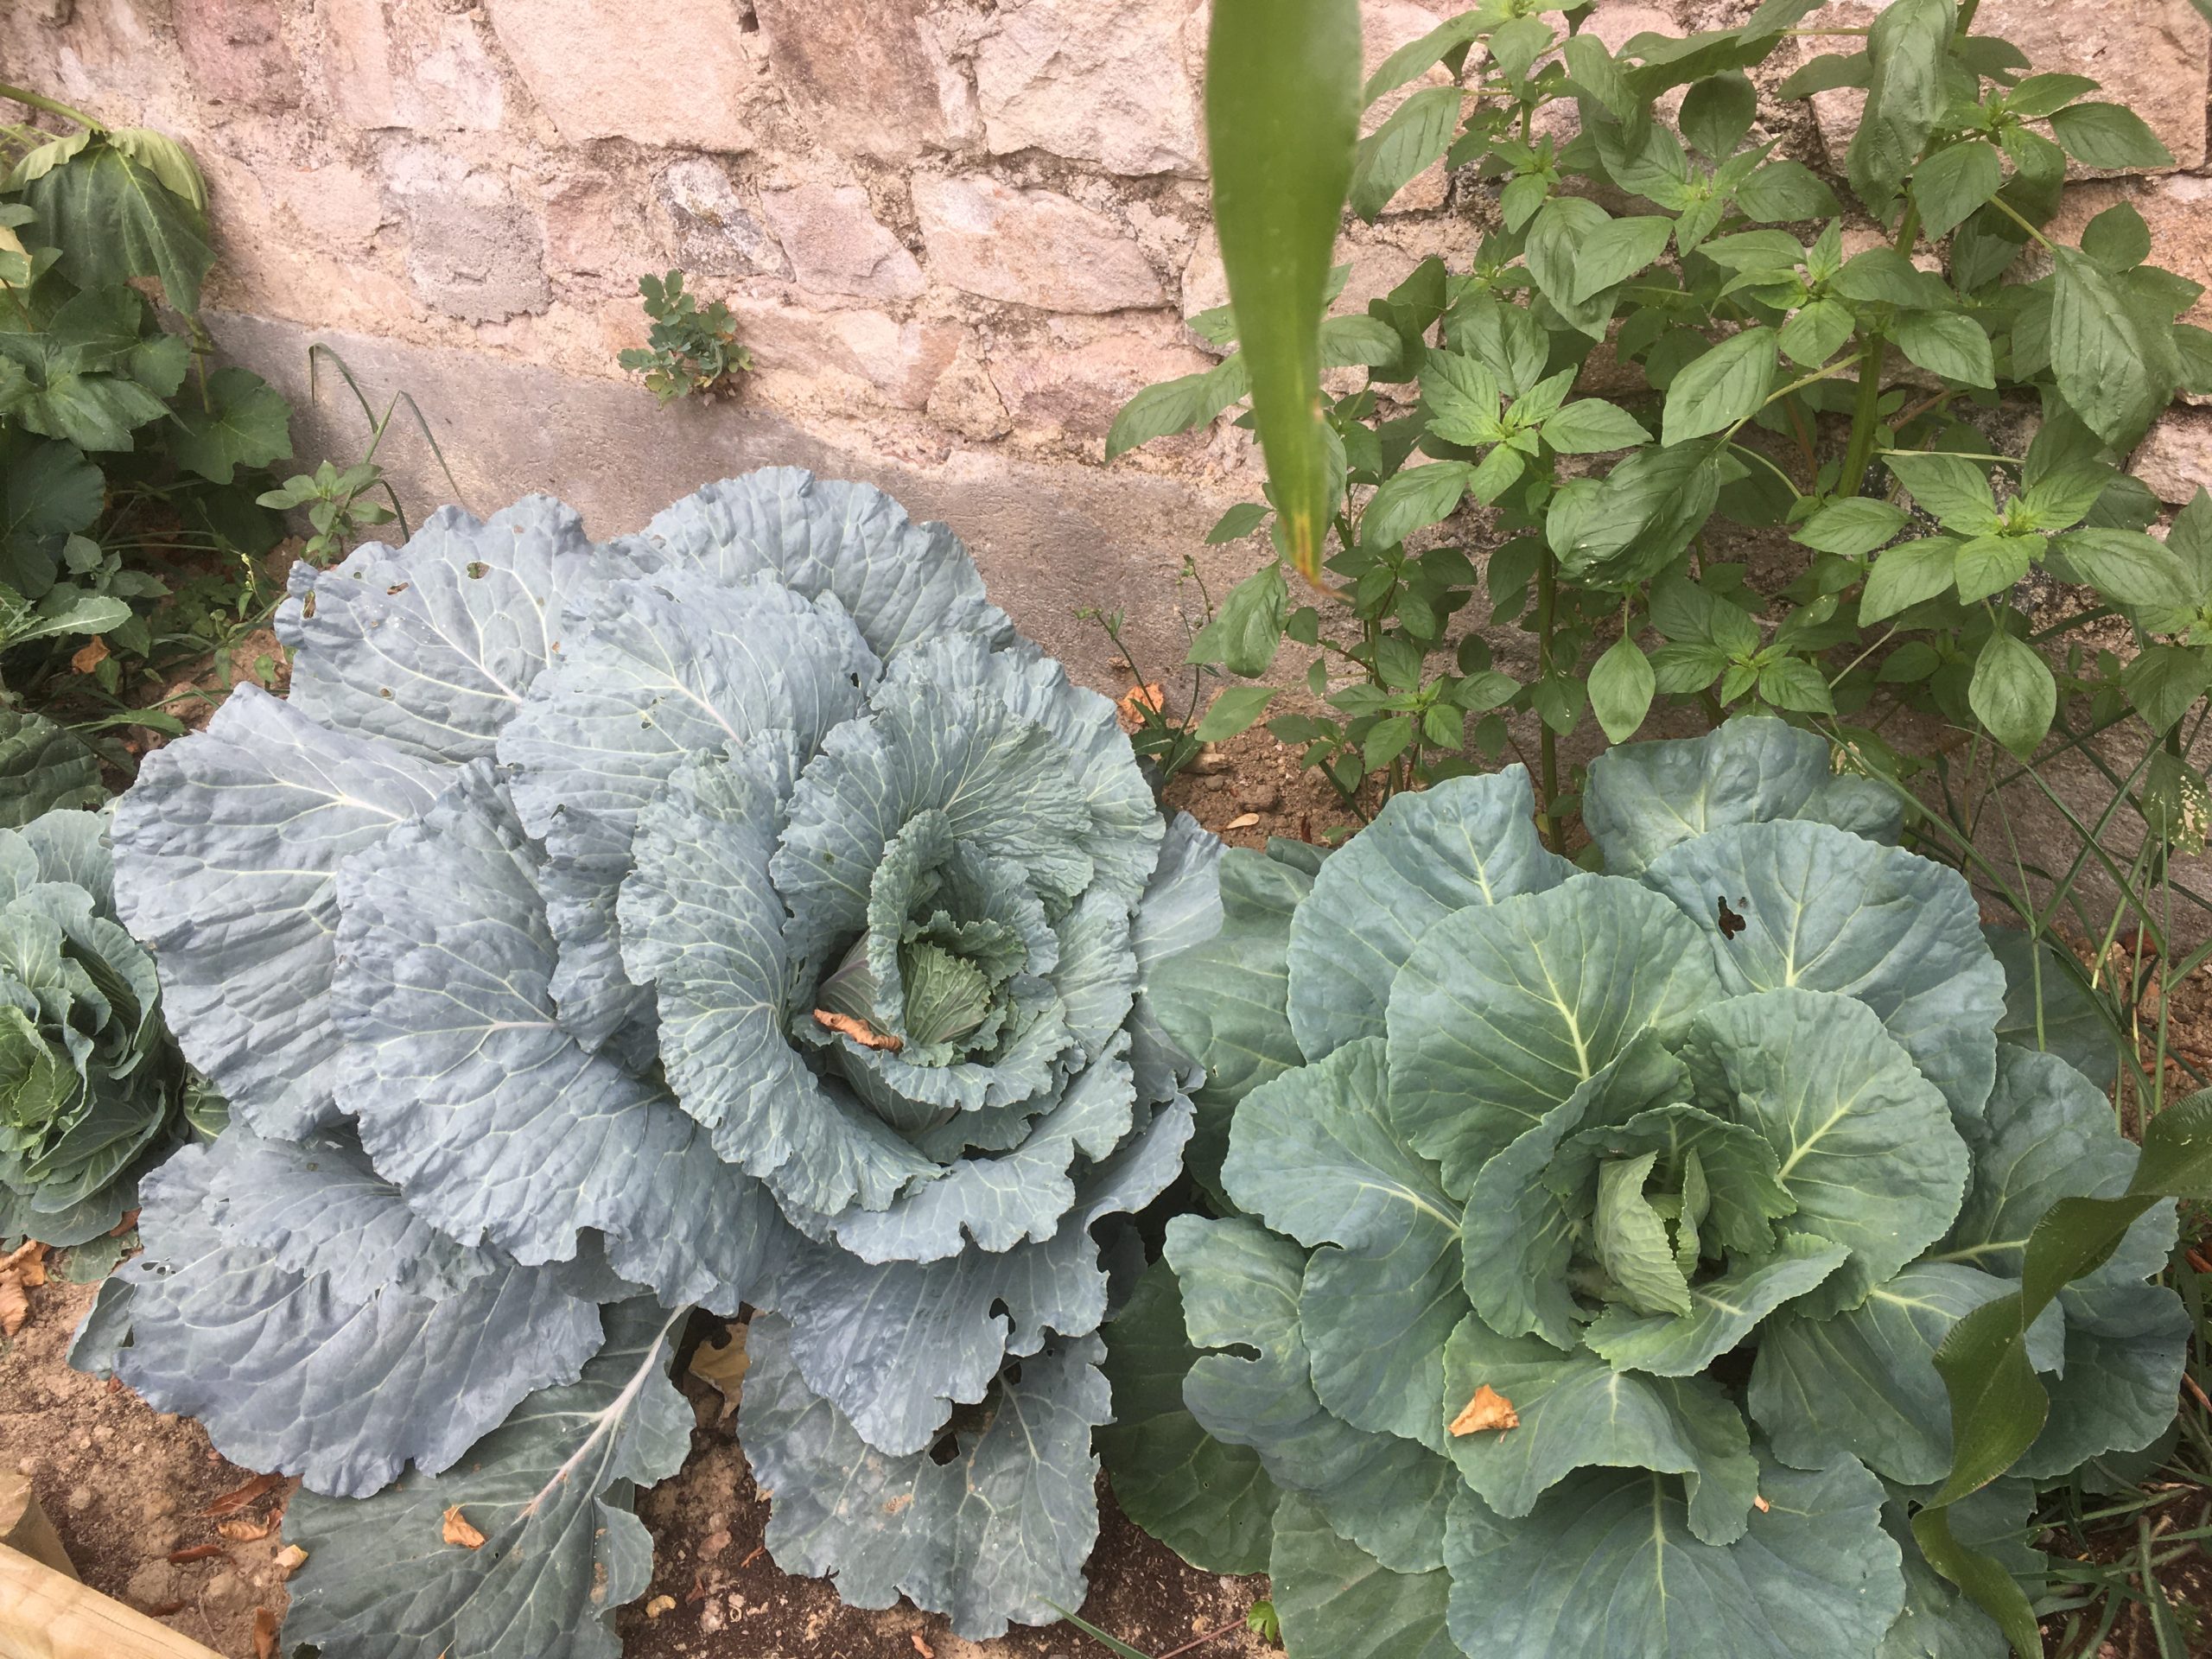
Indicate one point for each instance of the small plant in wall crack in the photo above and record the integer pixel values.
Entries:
(690, 350)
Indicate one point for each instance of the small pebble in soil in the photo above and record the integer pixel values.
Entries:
(1266, 798)
(27, 1465)
(153, 1584)
(79, 1499)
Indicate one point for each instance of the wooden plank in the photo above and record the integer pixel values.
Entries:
(46, 1615)
(23, 1525)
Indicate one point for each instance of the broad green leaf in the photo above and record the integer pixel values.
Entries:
(2037, 96)
(43, 766)
(1992, 564)
(1721, 388)
(114, 218)
(1578, 1413)
(1718, 112)
(1824, 910)
(1953, 488)
(244, 421)
(1644, 798)
(1795, 686)
(2013, 693)
(1853, 527)
(1621, 687)
(1952, 346)
(1907, 49)
(1177, 405)
(1412, 499)
(1554, 255)
(1282, 124)
(1630, 1240)
(1416, 134)
(2130, 567)
(1225, 1001)
(166, 159)
(1418, 56)
(1863, 1383)
(1724, 1310)
(2048, 1008)
(1235, 708)
(1826, 72)
(1467, 841)
(2109, 135)
(1906, 575)
(1813, 334)
(1785, 190)
(48, 491)
(1632, 524)
(1210, 1501)
(2117, 238)
(1591, 426)
(1592, 69)
(1866, 1144)
(1735, 1165)
(1247, 631)
(1616, 250)
(1504, 338)
(1238, 523)
(1503, 1011)
(1953, 182)
(1462, 396)
(1322, 1154)
(2165, 682)
(2115, 366)
(1607, 1566)
(1334, 1597)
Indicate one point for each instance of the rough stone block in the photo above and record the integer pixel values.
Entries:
(474, 251)
(1068, 385)
(715, 232)
(1112, 82)
(1031, 247)
(836, 245)
(596, 227)
(868, 71)
(405, 63)
(2176, 459)
(234, 52)
(673, 72)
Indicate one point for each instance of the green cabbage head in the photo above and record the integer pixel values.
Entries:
(1591, 1235)
(91, 1087)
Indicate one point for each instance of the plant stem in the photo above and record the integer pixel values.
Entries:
(1547, 741)
(1866, 413)
(32, 100)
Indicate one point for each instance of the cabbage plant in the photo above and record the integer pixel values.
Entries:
(91, 1089)
(739, 913)
(1590, 1237)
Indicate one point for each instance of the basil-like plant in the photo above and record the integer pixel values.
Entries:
(92, 1092)
(1753, 373)
(740, 913)
(1588, 1239)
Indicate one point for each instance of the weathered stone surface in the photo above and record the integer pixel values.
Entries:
(871, 74)
(405, 63)
(1109, 81)
(842, 362)
(1032, 247)
(474, 251)
(965, 400)
(2155, 56)
(337, 205)
(596, 227)
(715, 233)
(235, 53)
(672, 72)
(1068, 385)
(2176, 459)
(836, 245)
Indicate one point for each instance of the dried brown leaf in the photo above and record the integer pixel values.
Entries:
(27, 1258)
(89, 656)
(245, 1532)
(15, 1306)
(1488, 1409)
(723, 1364)
(1137, 702)
(290, 1559)
(920, 1646)
(264, 1634)
(457, 1530)
(1243, 821)
(194, 1552)
(859, 1030)
(239, 1497)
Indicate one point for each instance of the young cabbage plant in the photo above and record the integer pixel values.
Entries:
(92, 1092)
(1588, 1240)
(741, 912)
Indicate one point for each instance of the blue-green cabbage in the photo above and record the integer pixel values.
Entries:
(92, 1092)
(1588, 1239)
(737, 914)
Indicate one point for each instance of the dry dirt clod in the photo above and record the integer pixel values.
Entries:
(288, 1560)
(660, 1604)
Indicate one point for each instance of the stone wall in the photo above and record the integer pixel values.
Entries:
(957, 234)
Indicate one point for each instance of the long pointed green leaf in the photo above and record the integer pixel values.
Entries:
(1282, 122)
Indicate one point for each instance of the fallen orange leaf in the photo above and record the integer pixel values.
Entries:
(264, 1634)
(1488, 1409)
(195, 1552)
(232, 1502)
(1243, 821)
(920, 1646)
(245, 1532)
(28, 1260)
(723, 1364)
(89, 657)
(859, 1030)
(457, 1530)
(1138, 701)
(15, 1306)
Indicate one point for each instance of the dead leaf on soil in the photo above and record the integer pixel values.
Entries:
(245, 1532)
(859, 1030)
(15, 1306)
(1138, 701)
(290, 1559)
(920, 1646)
(239, 1497)
(457, 1530)
(723, 1364)
(130, 1220)
(1243, 821)
(89, 657)
(1488, 1409)
(27, 1262)
(194, 1552)
(660, 1604)
(264, 1634)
